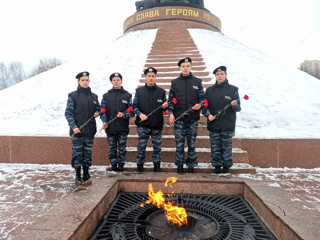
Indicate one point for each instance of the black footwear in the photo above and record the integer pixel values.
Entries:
(120, 167)
(140, 167)
(190, 170)
(225, 169)
(86, 175)
(77, 180)
(156, 167)
(217, 170)
(180, 169)
(114, 167)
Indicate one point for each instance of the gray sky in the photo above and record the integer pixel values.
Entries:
(288, 30)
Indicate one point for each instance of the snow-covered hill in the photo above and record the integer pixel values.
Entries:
(283, 100)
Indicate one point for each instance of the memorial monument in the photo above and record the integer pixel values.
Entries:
(155, 13)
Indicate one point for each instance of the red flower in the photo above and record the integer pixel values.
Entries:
(129, 110)
(131, 123)
(164, 123)
(165, 113)
(103, 110)
(246, 97)
(206, 104)
(175, 101)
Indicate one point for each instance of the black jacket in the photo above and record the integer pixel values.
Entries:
(188, 91)
(219, 95)
(114, 101)
(145, 101)
(85, 105)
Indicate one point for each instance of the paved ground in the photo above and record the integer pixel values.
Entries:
(29, 191)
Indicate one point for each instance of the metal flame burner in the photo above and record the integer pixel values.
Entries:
(209, 218)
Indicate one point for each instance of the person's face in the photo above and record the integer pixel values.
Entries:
(116, 82)
(151, 78)
(185, 68)
(221, 76)
(84, 82)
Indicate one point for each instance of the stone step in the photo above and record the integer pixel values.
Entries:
(168, 130)
(172, 64)
(167, 87)
(176, 52)
(237, 168)
(177, 69)
(203, 154)
(202, 120)
(169, 141)
(173, 56)
(166, 60)
(168, 80)
(177, 74)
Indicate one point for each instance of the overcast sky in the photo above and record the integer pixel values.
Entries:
(288, 30)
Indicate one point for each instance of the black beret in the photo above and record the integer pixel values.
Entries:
(221, 68)
(184, 61)
(115, 75)
(82, 74)
(150, 69)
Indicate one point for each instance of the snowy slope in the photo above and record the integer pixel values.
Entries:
(283, 100)
(36, 106)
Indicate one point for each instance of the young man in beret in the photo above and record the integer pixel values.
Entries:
(146, 100)
(188, 91)
(81, 106)
(221, 128)
(116, 102)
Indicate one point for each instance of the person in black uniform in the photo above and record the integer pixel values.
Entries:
(146, 100)
(188, 91)
(221, 128)
(81, 106)
(116, 102)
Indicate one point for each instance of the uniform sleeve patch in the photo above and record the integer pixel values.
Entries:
(227, 97)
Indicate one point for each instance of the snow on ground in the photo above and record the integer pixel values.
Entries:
(283, 100)
(36, 106)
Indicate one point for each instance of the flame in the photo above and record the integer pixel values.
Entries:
(176, 216)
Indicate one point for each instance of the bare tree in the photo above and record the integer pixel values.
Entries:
(44, 65)
(17, 72)
(4, 76)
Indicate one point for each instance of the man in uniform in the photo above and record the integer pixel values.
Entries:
(116, 102)
(81, 106)
(149, 99)
(188, 91)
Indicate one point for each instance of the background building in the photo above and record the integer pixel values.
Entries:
(311, 67)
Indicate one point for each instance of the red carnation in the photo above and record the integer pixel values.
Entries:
(129, 110)
(206, 104)
(246, 97)
(131, 123)
(103, 110)
(175, 101)
(165, 113)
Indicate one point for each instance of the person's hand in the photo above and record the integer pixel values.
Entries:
(104, 125)
(96, 115)
(143, 117)
(196, 107)
(120, 115)
(171, 119)
(233, 103)
(76, 131)
(211, 118)
(165, 104)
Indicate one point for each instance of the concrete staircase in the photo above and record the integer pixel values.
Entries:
(172, 43)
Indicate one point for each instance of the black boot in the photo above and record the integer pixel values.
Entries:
(114, 167)
(77, 180)
(86, 175)
(217, 170)
(225, 169)
(156, 167)
(180, 169)
(190, 170)
(140, 167)
(120, 167)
